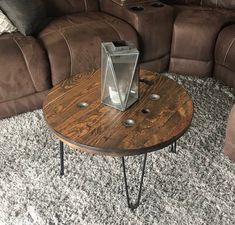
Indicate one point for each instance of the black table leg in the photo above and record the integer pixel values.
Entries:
(61, 158)
(137, 203)
(173, 147)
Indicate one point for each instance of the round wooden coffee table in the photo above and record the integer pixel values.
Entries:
(75, 114)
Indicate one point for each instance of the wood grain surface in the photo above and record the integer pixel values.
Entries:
(99, 129)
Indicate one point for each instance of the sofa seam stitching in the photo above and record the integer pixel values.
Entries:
(174, 57)
(70, 53)
(27, 66)
(65, 28)
(85, 3)
(230, 46)
(225, 66)
(105, 21)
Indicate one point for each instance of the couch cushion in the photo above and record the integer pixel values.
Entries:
(186, 2)
(73, 42)
(229, 146)
(24, 67)
(225, 56)
(22, 105)
(194, 37)
(228, 4)
(62, 7)
(225, 47)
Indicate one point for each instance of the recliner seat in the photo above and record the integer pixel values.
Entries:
(73, 42)
(25, 75)
(196, 29)
(225, 56)
(194, 38)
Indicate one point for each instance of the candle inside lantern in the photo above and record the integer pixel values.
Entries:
(119, 77)
(114, 96)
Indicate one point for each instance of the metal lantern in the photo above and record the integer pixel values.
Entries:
(119, 76)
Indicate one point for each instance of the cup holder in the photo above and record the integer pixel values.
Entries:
(137, 8)
(157, 5)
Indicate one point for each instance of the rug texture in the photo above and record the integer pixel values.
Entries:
(195, 186)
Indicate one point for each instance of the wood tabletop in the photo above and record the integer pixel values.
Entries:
(99, 129)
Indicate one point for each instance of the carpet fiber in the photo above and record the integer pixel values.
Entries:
(195, 186)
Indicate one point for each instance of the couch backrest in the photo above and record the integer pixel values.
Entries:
(229, 4)
(183, 2)
(62, 7)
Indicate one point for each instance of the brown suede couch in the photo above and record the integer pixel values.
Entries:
(70, 44)
(192, 37)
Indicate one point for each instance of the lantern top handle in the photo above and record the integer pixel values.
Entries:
(117, 47)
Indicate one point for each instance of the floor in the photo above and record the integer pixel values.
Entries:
(195, 186)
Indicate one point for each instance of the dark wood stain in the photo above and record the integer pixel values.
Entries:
(99, 129)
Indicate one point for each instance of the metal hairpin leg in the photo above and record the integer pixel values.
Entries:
(173, 147)
(61, 158)
(136, 204)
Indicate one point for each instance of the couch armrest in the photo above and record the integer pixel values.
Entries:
(229, 145)
(152, 20)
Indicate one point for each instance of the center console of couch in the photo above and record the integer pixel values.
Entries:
(153, 22)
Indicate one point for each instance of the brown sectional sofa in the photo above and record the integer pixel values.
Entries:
(194, 37)
(70, 44)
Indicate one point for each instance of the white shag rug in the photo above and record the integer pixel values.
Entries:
(195, 186)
